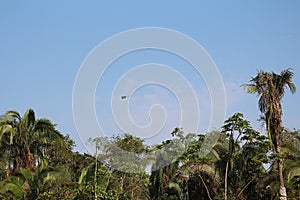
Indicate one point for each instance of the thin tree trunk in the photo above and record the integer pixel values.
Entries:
(107, 184)
(122, 183)
(207, 191)
(187, 188)
(226, 177)
(8, 172)
(241, 192)
(282, 190)
(95, 175)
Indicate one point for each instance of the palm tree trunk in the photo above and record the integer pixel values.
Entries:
(30, 162)
(282, 190)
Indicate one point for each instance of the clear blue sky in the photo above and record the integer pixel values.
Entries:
(43, 44)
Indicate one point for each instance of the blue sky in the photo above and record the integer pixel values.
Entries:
(43, 44)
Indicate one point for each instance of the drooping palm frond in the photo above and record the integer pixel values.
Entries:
(44, 128)
(12, 116)
(13, 188)
(292, 169)
(286, 80)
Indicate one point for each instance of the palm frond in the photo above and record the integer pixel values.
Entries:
(293, 173)
(28, 119)
(9, 115)
(13, 188)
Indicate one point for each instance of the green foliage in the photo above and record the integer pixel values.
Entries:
(181, 169)
(87, 192)
(27, 141)
(12, 188)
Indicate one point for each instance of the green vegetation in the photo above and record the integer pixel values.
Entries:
(38, 162)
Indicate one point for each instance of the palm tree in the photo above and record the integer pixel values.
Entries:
(271, 88)
(29, 184)
(26, 140)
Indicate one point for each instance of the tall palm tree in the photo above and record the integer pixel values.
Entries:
(271, 88)
(27, 139)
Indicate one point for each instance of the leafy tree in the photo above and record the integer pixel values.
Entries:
(125, 156)
(235, 124)
(202, 176)
(190, 175)
(87, 187)
(164, 182)
(247, 152)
